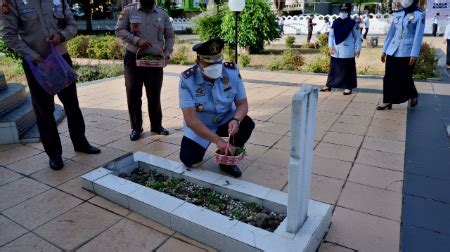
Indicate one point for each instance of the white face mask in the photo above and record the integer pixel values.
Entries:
(406, 3)
(343, 15)
(213, 71)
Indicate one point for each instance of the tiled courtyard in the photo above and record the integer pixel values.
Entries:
(358, 168)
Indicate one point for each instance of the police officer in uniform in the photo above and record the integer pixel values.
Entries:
(29, 28)
(147, 27)
(214, 105)
(400, 52)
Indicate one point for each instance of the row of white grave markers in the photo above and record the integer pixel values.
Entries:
(303, 129)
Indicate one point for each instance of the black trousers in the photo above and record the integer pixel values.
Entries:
(365, 33)
(44, 106)
(192, 153)
(435, 27)
(308, 39)
(448, 52)
(135, 78)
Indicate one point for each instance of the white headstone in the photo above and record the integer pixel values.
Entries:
(303, 126)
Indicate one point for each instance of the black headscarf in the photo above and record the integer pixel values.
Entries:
(413, 7)
(343, 27)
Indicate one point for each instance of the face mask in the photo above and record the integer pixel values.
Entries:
(213, 71)
(406, 3)
(343, 15)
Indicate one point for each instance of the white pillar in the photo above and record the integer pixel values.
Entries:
(303, 129)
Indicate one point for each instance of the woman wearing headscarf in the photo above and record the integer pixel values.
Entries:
(345, 44)
(400, 52)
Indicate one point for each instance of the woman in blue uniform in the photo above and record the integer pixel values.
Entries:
(345, 44)
(400, 52)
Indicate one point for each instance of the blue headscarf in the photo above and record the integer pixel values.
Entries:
(343, 27)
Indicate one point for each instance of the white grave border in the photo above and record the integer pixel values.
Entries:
(206, 226)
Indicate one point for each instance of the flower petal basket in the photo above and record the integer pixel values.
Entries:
(229, 160)
(150, 60)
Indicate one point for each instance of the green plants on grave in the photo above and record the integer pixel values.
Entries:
(426, 63)
(290, 40)
(247, 212)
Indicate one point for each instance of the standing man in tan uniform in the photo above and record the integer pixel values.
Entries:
(29, 28)
(144, 26)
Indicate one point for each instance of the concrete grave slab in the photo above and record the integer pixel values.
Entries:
(201, 224)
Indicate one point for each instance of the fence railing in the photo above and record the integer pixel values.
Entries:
(379, 24)
(179, 24)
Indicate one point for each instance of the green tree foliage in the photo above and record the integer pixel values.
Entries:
(257, 25)
(208, 26)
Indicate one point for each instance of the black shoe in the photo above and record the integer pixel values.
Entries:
(160, 131)
(414, 102)
(388, 106)
(135, 135)
(325, 89)
(56, 163)
(88, 150)
(233, 170)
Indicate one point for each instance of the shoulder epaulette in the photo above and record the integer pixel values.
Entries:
(161, 8)
(229, 65)
(188, 73)
(130, 5)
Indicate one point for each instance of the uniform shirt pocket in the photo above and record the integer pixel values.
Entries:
(158, 24)
(28, 14)
(135, 24)
(409, 41)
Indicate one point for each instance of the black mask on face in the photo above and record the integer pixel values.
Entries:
(147, 4)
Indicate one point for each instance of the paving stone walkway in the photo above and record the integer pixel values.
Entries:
(358, 168)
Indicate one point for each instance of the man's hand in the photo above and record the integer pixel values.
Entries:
(54, 39)
(143, 43)
(383, 57)
(331, 50)
(357, 54)
(233, 127)
(412, 61)
(222, 147)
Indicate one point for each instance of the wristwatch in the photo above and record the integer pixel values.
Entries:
(237, 120)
